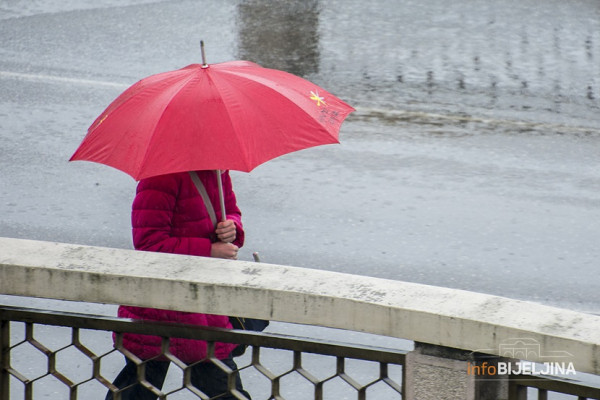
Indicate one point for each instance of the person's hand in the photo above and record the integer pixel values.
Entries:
(226, 231)
(224, 250)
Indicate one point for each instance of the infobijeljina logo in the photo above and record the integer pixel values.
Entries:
(519, 349)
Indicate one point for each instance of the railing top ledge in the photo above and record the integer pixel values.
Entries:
(441, 316)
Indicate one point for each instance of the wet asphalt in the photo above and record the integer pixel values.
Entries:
(471, 161)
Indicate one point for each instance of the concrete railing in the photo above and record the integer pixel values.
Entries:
(437, 316)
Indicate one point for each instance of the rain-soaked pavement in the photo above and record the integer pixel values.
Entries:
(471, 162)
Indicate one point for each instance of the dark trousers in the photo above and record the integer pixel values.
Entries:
(205, 376)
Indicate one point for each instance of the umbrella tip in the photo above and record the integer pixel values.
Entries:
(204, 64)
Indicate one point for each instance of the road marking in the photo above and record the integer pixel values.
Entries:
(60, 79)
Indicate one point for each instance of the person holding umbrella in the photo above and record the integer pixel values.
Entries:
(169, 215)
(204, 118)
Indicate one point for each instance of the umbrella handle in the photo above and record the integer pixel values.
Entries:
(221, 197)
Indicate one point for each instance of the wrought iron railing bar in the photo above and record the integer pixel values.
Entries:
(6, 370)
(256, 364)
(188, 385)
(29, 390)
(20, 377)
(150, 387)
(73, 392)
(96, 374)
(348, 379)
(304, 373)
(385, 378)
(51, 358)
(274, 379)
(558, 385)
(54, 372)
(79, 346)
(276, 387)
(331, 348)
(140, 369)
(380, 379)
(341, 372)
(391, 383)
(272, 340)
(74, 389)
(329, 378)
(50, 355)
(29, 326)
(318, 384)
(186, 369)
(319, 391)
(259, 367)
(231, 377)
(4, 359)
(17, 344)
(362, 393)
(231, 381)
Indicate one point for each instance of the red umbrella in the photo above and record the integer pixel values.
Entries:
(233, 115)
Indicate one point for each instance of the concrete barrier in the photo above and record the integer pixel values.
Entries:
(434, 315)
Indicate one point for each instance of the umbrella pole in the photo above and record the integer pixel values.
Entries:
(204, 64)
(221, 198)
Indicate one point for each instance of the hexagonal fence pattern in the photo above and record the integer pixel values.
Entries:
(57, 355)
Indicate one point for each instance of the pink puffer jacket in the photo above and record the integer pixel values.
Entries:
(169, 216)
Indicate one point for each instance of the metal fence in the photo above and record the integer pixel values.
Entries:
(25, 347)
(79, 368)
(547, 385)
(33, 366)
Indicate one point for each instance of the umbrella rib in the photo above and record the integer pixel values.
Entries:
(252, 78)
(182, 84)
(269, 87)
(122, 101)
(245, 161)
(283, 98)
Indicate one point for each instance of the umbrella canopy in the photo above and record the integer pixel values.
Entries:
(233, 115)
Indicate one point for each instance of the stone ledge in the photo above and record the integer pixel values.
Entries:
(428, 314)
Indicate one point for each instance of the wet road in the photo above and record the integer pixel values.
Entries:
(472, 161)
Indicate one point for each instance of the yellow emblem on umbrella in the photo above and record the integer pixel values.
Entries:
(315, 96)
